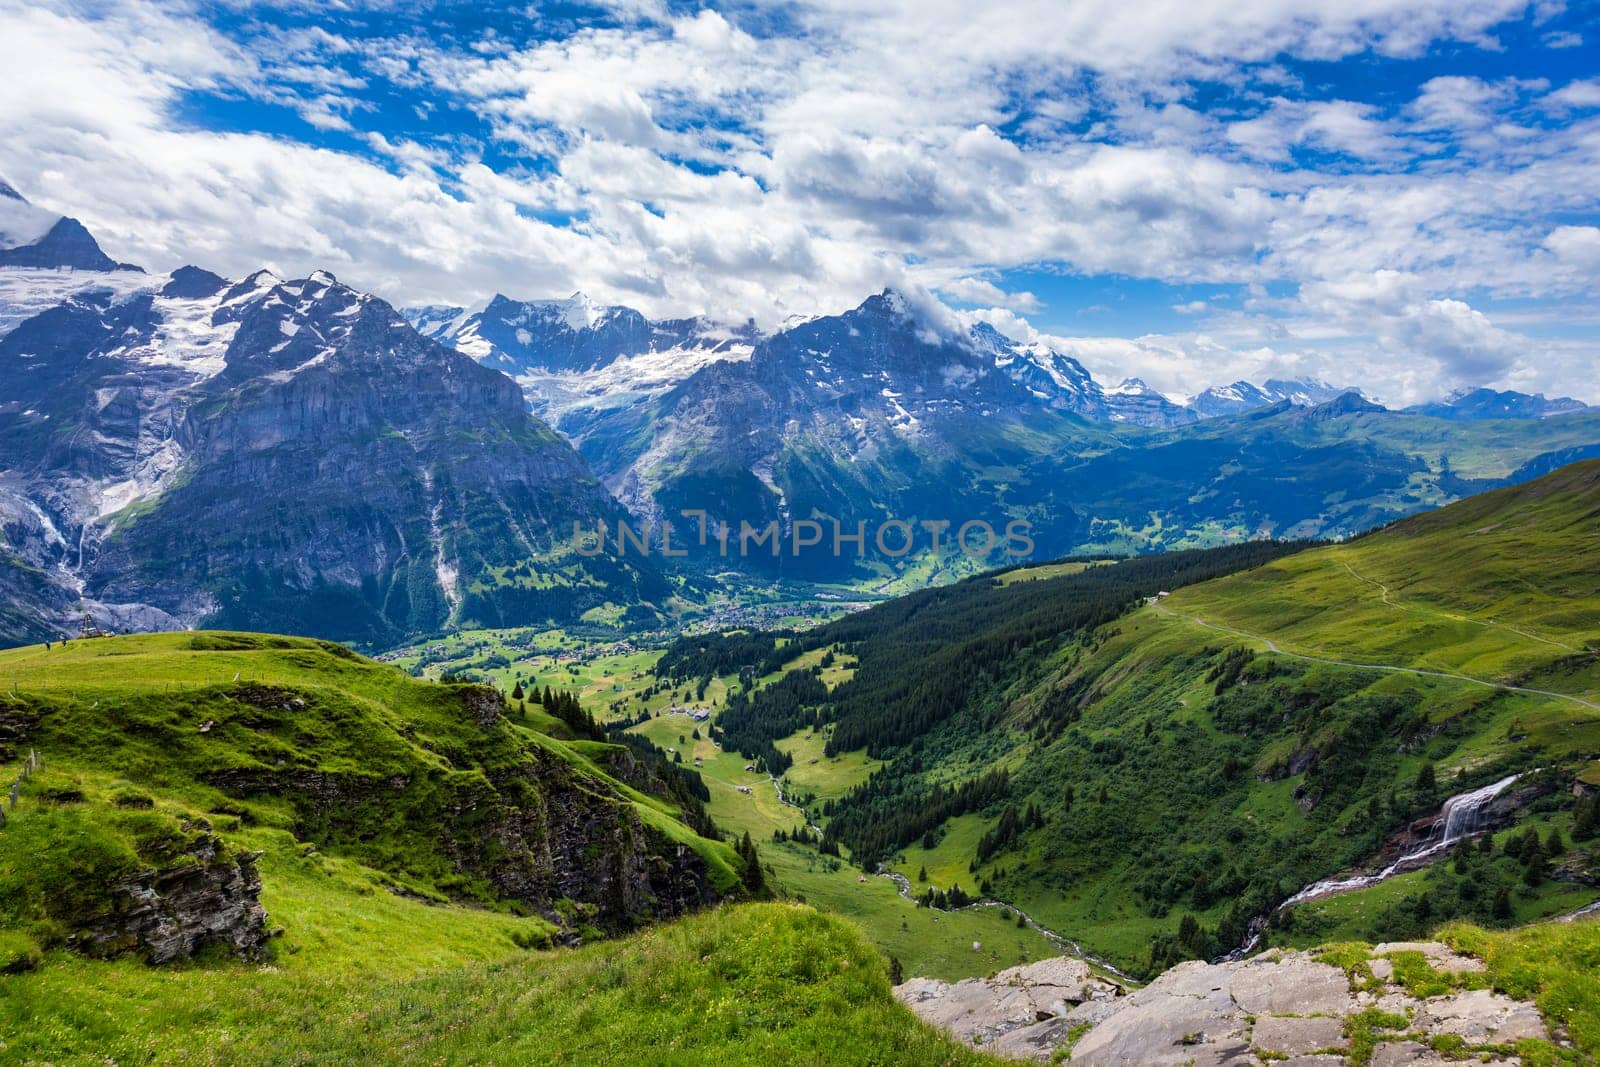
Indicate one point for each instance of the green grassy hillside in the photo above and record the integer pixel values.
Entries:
(436, 792)
(1211, 753)
(410, 839)
(761, 983)
(1114, 767)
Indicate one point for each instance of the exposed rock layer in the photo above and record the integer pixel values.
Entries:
(1278, 1007)
(175, 912)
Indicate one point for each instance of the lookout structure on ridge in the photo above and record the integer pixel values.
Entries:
(87, 628)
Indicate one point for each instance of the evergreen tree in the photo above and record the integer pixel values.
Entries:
(922, 875)
(1536, 866)
(755, 880)
(516, 690)
(1502, 904)
(1586, 818)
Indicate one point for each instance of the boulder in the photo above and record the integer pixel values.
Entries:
(1294, 984)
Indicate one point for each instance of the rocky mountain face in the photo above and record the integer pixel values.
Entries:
(859, 417)
(571, 335)
(1292, 1008)
(277, 454)
(1471, 404)
(876, 414)
(1061, 383)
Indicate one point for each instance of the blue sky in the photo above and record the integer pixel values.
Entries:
(1399, 195)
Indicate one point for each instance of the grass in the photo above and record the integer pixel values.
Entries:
(1195, 774)
(1556, 965)
(383, 951)
(935, 944)
(823, 776)
(1045, 570)
(926, 942)
(768, 983)
(308, 738)
(1519, 591)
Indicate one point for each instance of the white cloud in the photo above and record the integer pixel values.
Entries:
(702, 163)
(1576, 96)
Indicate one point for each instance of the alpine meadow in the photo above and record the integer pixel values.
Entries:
(671, 533)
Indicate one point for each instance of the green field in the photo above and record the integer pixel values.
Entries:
(760, 983)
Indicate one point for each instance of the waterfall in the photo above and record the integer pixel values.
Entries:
(1463, 815)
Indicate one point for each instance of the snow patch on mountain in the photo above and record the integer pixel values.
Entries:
(26, 291)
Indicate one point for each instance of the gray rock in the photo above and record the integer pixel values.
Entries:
(1406, 1054)
(1296, 1036)
(1294, 985)
(1398, 1003)
(1284, 1005)
(1482, 1018)
(1157, 1028)
(972, 1010)
(1094, 1011)
(1036, 1042)
(171, 914)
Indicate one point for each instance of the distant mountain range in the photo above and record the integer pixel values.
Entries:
(294, 454)
(882, 412)
(573, 353)
(1499, 404)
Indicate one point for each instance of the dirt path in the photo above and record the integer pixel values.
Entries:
(1272, 646)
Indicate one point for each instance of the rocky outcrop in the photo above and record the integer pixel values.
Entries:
(575, 843)
(565, 844)
(276, 455)
(1022, 1008)
(172, 913)
(482, 703)
(1279, 1007)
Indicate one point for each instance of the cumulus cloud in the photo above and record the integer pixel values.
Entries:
(737, 162)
